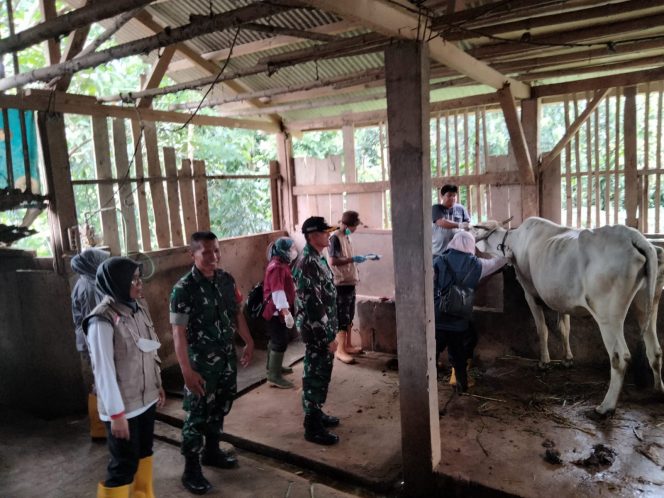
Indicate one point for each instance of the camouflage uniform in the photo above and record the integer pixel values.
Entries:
(208, 308)
(317, 322)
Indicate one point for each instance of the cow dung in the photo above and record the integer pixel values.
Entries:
(601, 456)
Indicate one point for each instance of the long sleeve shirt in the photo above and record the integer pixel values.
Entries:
(100, 341)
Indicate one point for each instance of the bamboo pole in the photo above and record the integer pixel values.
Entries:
(198, 27)
(67, 23)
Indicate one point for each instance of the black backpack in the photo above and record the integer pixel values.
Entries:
(255, 302)
(457, 300)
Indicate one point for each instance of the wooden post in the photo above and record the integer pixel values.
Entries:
(407, 83)
(631, 175)
(274, 195)
(61, 206)
(137, 133)
(530, 122)
(516, 133)
(288, 208)
(550, 187)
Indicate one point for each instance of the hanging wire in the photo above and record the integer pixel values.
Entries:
(223, 67)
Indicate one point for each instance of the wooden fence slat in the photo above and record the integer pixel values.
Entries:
(109, 221)
(125, 190)
(448, 155)
(589, 168)
(186, 184)
(386, 215)
(568, 168)
(598, 198)
(607, 163)
(274, 195)
(438, 145)
(201, 195)
(478, 191)
(456, 144)
(173, 196)
(658, 202)
(645, 212)
(616, 162)
(156, 186)
(577, 168)
(141, 195)
(631, 178)
(466, 156)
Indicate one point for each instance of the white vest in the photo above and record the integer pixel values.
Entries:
(345, 274)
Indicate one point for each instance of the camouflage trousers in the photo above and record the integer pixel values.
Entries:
(205, 414)
(316, 378)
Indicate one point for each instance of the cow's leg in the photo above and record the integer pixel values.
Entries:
(542, 330)
(653, 349)
(563, 326)
(614, 341)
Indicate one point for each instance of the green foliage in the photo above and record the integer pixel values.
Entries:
(320, 144)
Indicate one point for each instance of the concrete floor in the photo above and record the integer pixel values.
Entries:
(56, 459)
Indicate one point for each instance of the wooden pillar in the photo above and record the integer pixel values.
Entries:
(549, 182)
(530, 121)
(288, 206)
(275, 198)
(407, 83)
(631, 176)
(61, 206)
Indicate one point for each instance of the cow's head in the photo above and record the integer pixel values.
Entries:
(491, 236)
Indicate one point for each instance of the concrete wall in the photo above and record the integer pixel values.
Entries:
(39, 364)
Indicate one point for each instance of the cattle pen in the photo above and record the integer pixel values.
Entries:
(246, 118)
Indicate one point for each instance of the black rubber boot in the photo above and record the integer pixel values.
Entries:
(314, 431)
(329, 420)
(192, 478)
(216, 457)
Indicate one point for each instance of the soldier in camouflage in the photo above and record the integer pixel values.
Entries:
(205, 314)
(317, 322)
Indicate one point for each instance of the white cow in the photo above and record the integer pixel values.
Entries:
(571, 270)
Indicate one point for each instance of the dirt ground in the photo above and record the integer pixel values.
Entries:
(530, 433)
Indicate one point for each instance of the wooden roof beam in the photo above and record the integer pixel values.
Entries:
(393, 22)
(295, 33)
(264, 44)
(67, 23)
(157, 73)
(517, 137)
(162, 39)
(49, 13)
(614, 30)
(639, 7)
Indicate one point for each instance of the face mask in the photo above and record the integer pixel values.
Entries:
(347, 231)
(147, 345)
(292, 254)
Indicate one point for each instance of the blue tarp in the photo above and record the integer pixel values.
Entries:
(18, 165)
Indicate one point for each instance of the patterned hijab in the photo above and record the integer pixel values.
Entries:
(463, 241)
(114, 278)
(86, 263)
(281, 249)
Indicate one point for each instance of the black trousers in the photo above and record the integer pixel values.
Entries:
(460, 345)
(279, 334)
(126, 454)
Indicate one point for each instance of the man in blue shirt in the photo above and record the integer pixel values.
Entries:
(447, 217)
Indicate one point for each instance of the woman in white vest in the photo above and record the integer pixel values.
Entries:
(123, 349)
(346, 277)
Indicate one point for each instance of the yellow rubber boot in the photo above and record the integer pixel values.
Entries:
(453, 378)
(341, 353)
(97, 427)
(121, 492)
(143, 479)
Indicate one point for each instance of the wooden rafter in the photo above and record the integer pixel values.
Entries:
(49, 13)
(157, 73)
(517, 137)
(568, 19)
(295, 33)
(255, 47)
(66, 23)
(388, 20)
(162, 39)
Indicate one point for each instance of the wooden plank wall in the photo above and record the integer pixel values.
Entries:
(176, 204)
(313, 171)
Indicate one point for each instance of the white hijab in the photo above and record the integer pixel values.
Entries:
(463, 241)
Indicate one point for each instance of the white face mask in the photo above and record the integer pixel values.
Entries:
(292, 254)
(147, 345)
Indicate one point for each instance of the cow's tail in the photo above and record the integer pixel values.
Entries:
(648, 251)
